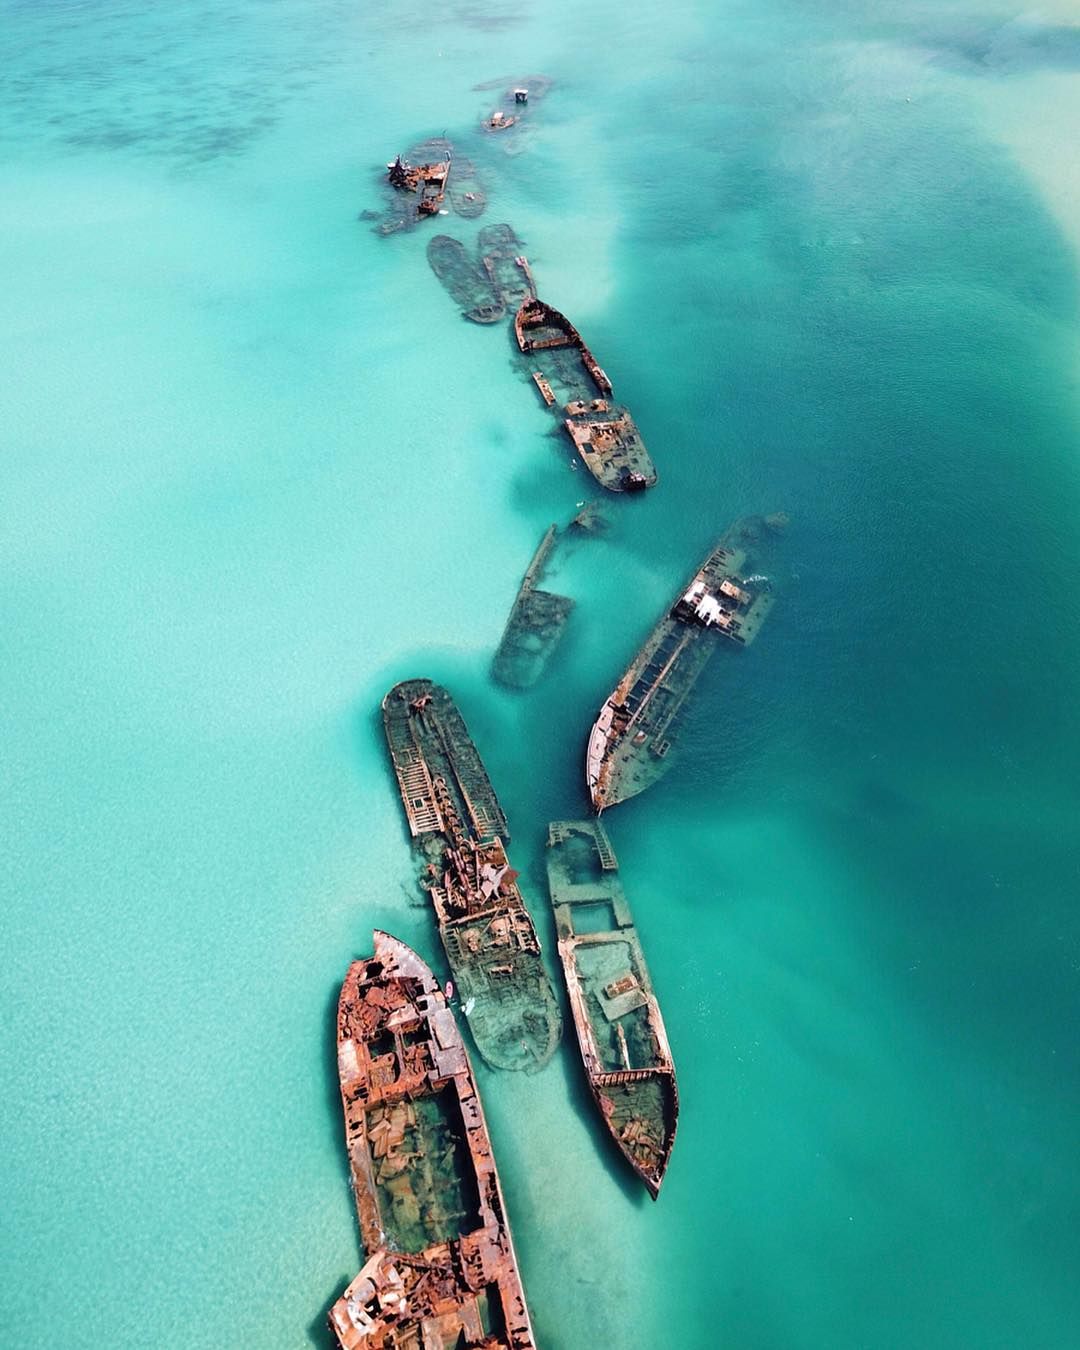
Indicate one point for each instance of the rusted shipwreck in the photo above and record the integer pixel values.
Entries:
(469, 286)
(458, 827)
(566, 372)
(441, 1269)
(630, 742)
(620, 1031)
(419, 183)
(535, 626)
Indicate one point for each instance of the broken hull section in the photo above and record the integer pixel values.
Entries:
(535, 625)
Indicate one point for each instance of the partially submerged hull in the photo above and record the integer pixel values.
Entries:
(620, 1031)
(441, 1268)
(517, 95)
(458, 826)
(630, 743)
(420, 182)
(470, 288)
(506, 266)
(535, 625)
(602, 431)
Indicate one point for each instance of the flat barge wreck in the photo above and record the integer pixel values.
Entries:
(602, 431)
(441, 1272)
(630, 742)
(458, 827)
(620, 1032)
(535, 625)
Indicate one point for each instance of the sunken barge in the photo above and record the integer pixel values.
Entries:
(630, 742)
(441, 1268)
(620, 1031)
(566, 372)
(535, 625)
(458, 827)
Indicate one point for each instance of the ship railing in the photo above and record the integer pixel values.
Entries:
(624, 1076)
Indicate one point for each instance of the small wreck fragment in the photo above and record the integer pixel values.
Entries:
(457, 826)
(620, 1032)
(630, 742)
(441, 1268)
(602, 431)
(535, 625)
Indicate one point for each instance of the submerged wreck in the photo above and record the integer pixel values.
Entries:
(535, 625)
(458, 826)
(620, 1032)
(630, 742)
(506, 266)
(419, 183)
(565, 371)
(487, 289)
(514, 103)
(468, 286)
(441, 1269)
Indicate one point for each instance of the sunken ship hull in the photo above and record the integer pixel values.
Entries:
(630, 744)
(458, 826)
(469, 287)
(602, 431)
(621, 1036)
(441, 1268)
(535, 625)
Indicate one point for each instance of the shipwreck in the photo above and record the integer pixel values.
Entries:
(602, 431)
(621, 1036)
(630, 742)
(458, 827)
(441, 1270)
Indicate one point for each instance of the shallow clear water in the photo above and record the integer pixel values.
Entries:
(256, 469)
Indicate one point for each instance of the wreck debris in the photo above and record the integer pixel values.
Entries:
(470, 288)
(458, 826)
(535, 625)
(441, 1268)
(602, 431)
(630, 742)
(620, 1031)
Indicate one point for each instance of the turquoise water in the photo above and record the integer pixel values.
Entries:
(256, 469)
